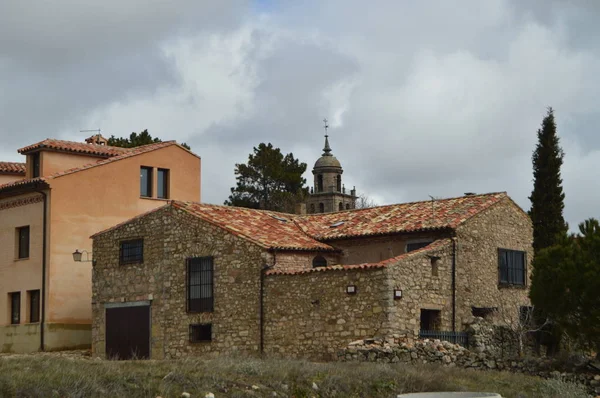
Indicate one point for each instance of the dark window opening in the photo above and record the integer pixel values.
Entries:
(162, 190)
(416, 245)
(23, 236)
(34, 306)
(339, 183)
(341, 206)
(200, 284)
(434, 266)
(35, 163)
(347, 206)
(431, 319)
(483, 312)
(146, 182)
(320, 183)
(321, 208)
(200, 332)
(319, 261)
(15, 308)
(511, 267)
(131, 251)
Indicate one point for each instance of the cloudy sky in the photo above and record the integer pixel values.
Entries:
(424, 98)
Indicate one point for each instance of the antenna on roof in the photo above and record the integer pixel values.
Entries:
(89, 131)
(432, 209)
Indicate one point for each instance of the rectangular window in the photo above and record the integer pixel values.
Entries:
(15, 308)
(146, 182)
(200, 284)
(416, 245)
(34, 306)
(35, 164)
(200, 333)
(131, 251)
(511, 267)
(162, 190)
(23, 242)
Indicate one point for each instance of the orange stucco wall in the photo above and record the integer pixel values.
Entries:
(88, 201)
(6, 178)
(19, 275)
(54, 162)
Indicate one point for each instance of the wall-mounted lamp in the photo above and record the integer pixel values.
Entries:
(351, 289)
(77, 257)
(397, 294)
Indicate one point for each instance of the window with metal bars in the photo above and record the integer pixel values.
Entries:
(200, 284)
(511, 267)
(15, 308)
(34, 306)
(200, 333)
(131, 251)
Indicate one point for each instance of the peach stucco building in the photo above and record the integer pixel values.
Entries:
(50, 205)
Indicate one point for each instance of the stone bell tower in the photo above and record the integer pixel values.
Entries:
(329, 193)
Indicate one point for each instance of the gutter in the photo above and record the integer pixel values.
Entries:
(43, 290)
(454, 284)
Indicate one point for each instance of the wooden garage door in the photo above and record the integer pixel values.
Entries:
(128, 332)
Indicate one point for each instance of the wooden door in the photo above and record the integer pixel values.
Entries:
(128, 332)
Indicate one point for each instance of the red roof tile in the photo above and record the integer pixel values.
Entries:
(75, 147)
(268, 229)
(404, 217)
(12, 168)
(365, 266)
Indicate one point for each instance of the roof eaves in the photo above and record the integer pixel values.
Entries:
(23, 186)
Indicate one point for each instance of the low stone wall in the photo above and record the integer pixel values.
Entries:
(397, 349)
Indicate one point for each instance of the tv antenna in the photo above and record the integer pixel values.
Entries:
(89, 131)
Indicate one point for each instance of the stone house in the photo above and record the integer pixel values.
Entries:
(50, 205)
(215, 279)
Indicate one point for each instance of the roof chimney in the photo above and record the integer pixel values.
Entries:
(97, 139)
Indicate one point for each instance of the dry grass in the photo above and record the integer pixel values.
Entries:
(47, 376)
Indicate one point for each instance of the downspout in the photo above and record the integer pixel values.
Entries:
(453, 284)
(43, 290)
(263, 272)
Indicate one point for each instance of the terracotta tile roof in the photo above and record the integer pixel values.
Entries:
(75, 147)
(367, 266)
(404, 217)
(129, 153)
(268, 229)
(12, 168)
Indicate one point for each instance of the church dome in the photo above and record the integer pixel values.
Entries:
(327, 159)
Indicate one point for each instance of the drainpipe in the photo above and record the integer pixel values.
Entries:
(263, 272)
(43, 290)
(454, 284)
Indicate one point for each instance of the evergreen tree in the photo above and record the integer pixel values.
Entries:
(135, 139)
(547, 198)
(269, 181)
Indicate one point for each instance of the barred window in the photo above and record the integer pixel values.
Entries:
(200, 333)
(131, 251)
(200, 284)
(511, 267)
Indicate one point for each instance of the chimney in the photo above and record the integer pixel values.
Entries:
(97, 139)
(300, 208)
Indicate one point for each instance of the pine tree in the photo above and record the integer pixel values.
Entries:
(547, 198)
(135, 139)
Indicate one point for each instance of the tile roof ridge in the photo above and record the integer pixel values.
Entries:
(56, 140)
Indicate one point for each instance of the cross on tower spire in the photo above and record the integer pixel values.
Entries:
(327, 148)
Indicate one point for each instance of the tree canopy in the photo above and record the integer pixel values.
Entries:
(135, 139)
(270, 180)
(547, 198)
(566, 282)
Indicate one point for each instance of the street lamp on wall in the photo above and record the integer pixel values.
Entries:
(77, 257)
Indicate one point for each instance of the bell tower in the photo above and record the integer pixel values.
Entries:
(329, 193)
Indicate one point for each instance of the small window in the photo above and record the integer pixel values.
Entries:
(339, 183)
(35, 164)
(434, 265)
(511, 267)
(200, 284)
(321, 208)
(416, 245)
(319, 261)
(431, 319)
(146, 182)
(347, 206)
(341, 206)
(34, 306)
(15, 308)
(23, 242)
(200, 333)
(131, 251)
(162, 190)
(320, 183)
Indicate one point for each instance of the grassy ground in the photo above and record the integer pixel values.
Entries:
(49, 376)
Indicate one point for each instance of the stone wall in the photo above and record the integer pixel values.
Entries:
(170, 237)
(310, 315)
(299, 261)
(505, 226)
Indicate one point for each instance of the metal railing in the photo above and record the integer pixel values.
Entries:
(460, 338)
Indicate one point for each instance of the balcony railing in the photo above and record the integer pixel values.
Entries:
(460, 338)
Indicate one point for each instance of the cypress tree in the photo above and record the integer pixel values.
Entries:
(547, 198)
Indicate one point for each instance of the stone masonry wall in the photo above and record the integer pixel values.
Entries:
(505, 226)
(310, 315)
(170, 237)
(299, 261)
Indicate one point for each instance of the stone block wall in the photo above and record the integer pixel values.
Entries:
(299, 261)
(311, 315)
(505, 226)
(170, 237)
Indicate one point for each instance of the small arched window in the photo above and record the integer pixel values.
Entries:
(321, 208)
(339, 183)
(312, 208)
(320, 183)
(341, 207)
(319, 261)
(347, 206)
